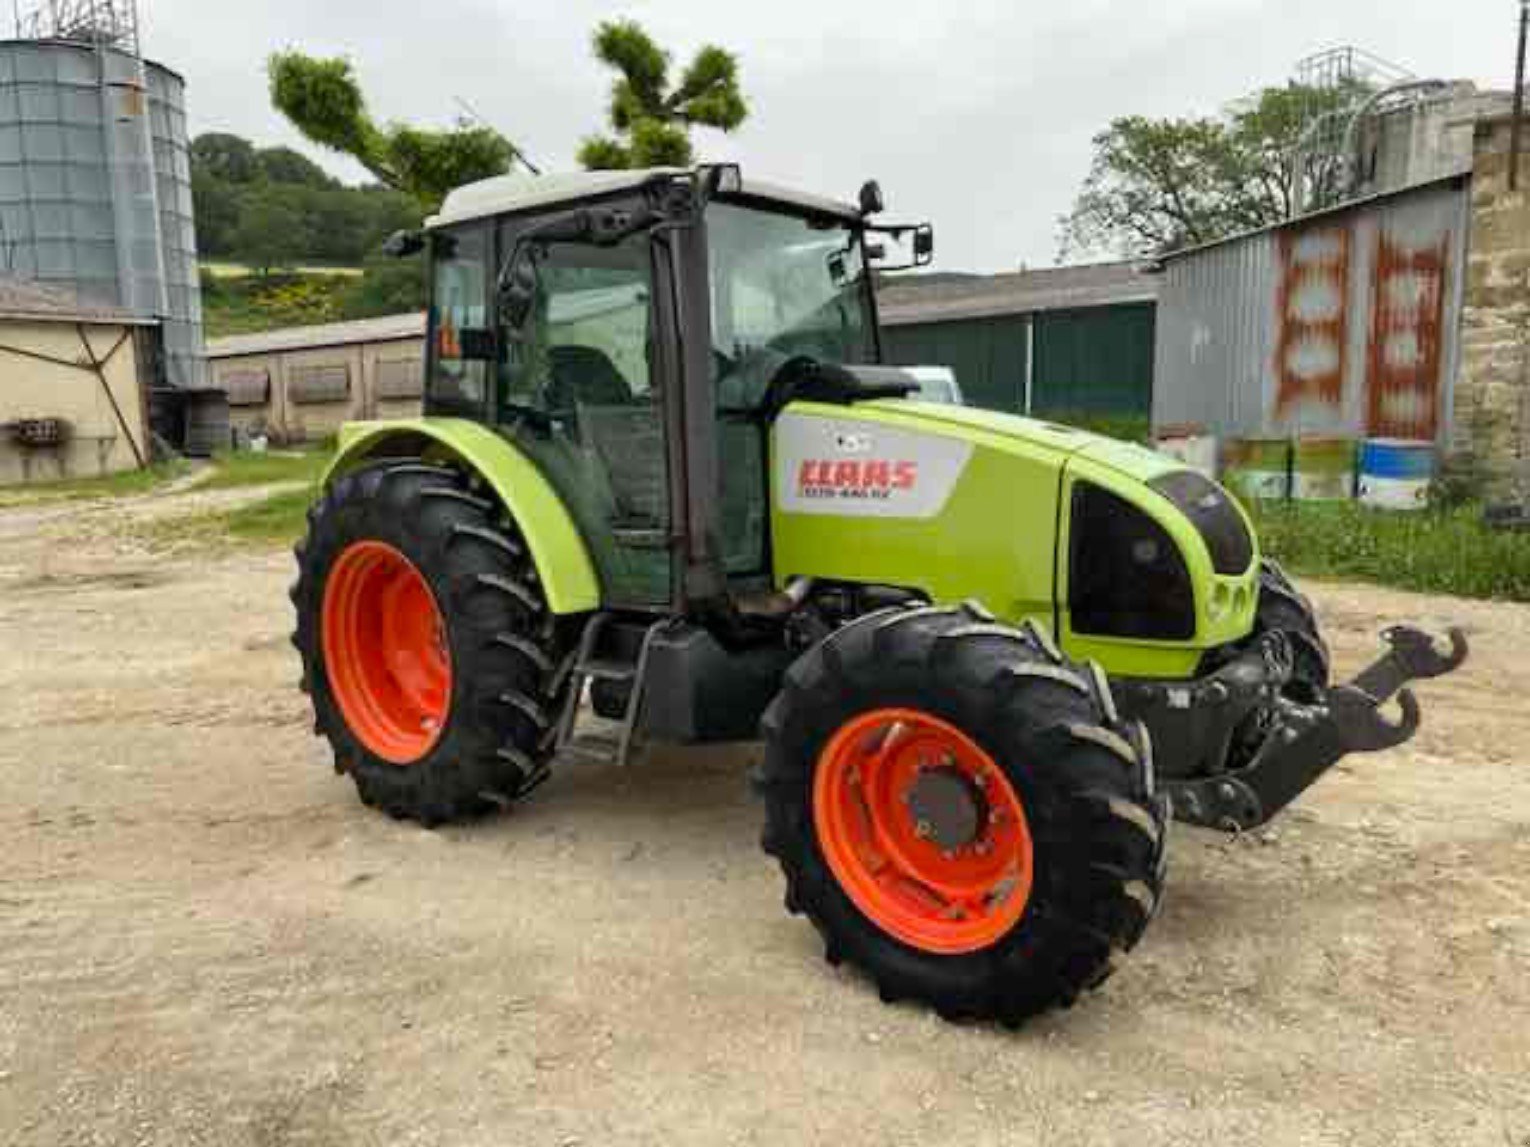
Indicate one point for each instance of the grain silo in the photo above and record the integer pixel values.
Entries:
(95, 172)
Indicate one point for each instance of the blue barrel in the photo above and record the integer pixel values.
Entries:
(1395, 472)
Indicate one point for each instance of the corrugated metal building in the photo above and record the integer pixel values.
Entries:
(74, 385)
(1344, 322)
(301, 383)
(1069, 340)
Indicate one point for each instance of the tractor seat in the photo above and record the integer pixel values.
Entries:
(584, 376)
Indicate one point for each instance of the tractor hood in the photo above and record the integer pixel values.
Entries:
(1128, 459)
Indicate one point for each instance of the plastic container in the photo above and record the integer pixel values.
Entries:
(1395, 472)
(1257, 469)
(1323, 469)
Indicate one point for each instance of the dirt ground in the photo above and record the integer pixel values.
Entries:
(206, 939)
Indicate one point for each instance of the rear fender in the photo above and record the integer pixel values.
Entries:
(562, 560)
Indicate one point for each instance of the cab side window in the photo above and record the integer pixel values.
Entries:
(461, 334)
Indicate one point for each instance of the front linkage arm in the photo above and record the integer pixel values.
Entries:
(1302, 742)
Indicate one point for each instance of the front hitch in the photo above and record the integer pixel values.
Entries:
(1305, 741)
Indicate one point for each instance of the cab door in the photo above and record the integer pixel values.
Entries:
(577, 389)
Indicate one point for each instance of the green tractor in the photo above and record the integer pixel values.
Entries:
(662, 473)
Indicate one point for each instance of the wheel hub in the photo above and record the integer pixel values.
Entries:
(948, 808)
(923, 831)
(386, 652)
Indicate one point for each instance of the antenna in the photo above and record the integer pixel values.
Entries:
(472, 114)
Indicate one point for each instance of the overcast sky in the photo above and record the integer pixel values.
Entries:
(975, 115)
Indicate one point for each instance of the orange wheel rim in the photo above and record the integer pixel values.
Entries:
(923, 831)
(385, 652)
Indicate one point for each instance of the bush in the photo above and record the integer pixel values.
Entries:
(1436, 551)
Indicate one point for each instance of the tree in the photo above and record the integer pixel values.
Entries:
(272, 232)
(216, 203)
(387, 286)
(652, 121)
(221, 155)
(283, 165)
(322, 100)
(1160, 185)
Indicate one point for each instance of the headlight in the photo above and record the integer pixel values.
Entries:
(1126, 577)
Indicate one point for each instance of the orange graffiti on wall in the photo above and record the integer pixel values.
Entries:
(1403, 353)
(1313, 316)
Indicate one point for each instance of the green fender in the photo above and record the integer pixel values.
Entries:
(561, 557)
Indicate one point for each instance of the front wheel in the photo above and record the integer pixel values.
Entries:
(960, 812)
(435, 668)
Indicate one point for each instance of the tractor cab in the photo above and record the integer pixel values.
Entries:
(633, 332)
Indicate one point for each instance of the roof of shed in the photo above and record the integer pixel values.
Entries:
(947, 297)
(389, 328)
(27, 299)
(1297, 222)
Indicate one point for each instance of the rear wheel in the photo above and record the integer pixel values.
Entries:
(960, 813)
(435, 668)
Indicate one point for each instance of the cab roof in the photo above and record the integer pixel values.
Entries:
(505, 194)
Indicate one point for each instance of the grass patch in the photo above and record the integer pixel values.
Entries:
(247, 468)
(122, 483)
(1431, 551)
(276, 520)
(279, 519)
(248, 304)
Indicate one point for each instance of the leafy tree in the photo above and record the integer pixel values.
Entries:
(1159, 185)
(283, 165)
(221, 155)
(323, 101)
(272, 233)
(651, 119)
(387, 287)
(217, 204)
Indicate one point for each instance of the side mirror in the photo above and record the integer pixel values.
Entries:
(402, 244)
(871, 202)
(723, 179)
(924, 245)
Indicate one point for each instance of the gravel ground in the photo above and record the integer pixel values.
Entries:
(205, 939)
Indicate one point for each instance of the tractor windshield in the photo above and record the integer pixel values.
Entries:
(782, 285)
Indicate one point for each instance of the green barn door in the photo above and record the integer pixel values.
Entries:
(1095, 362)
(987, 356)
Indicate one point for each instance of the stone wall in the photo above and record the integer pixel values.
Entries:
(1492, 398)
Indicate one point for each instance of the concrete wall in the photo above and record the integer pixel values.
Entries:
(32, 388)
(381, 379)
(1493, 391)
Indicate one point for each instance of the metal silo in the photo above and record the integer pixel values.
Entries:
(95, 179)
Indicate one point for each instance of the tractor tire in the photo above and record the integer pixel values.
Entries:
(437, 672)
(961, 813)
(1285, 608)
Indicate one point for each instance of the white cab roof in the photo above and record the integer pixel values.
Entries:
(506, 193)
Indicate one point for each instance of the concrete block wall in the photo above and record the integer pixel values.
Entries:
(1492, 400)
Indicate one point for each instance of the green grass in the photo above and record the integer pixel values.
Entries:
(279, 519)
(275, 520)
(246, 468)
(123, 482)
(248, 304)
(222, 269)
(1431, 551)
